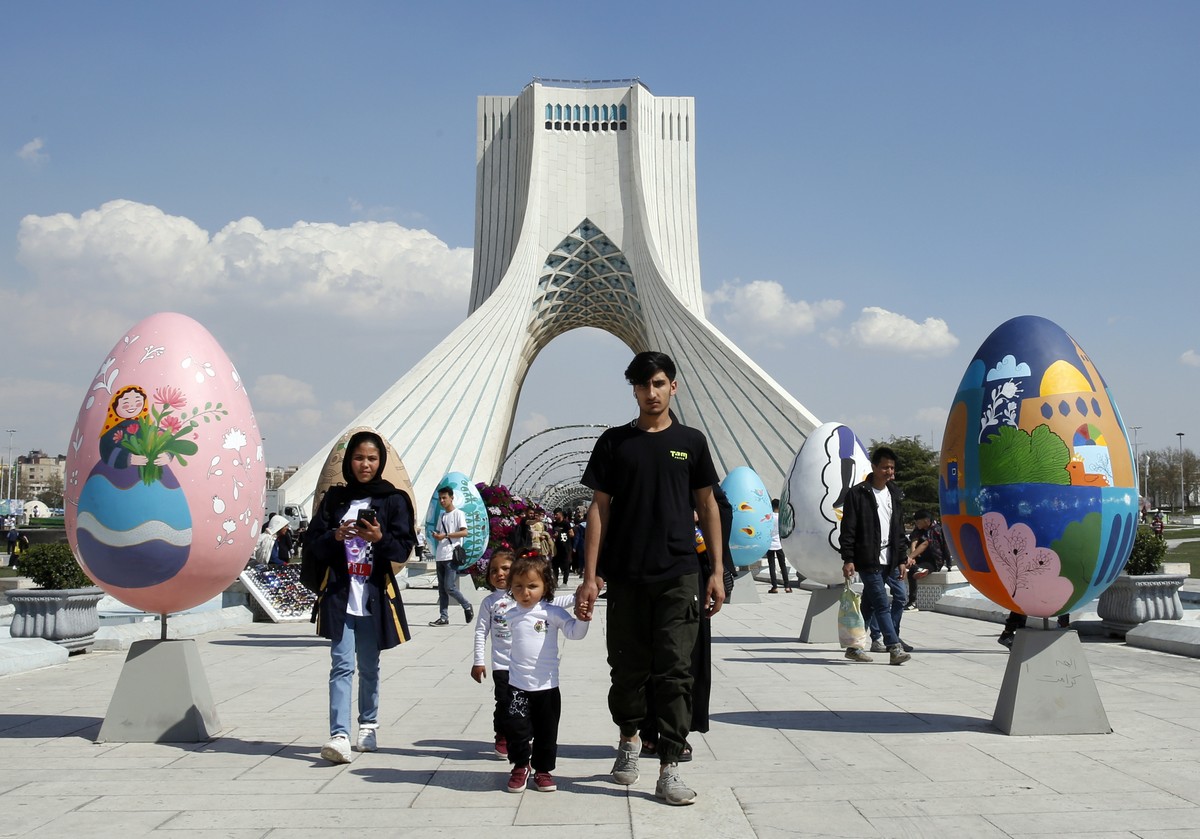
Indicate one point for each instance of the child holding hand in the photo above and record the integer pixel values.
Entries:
(492, 621)
(534, 704)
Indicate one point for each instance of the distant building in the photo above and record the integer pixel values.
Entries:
(38, 472)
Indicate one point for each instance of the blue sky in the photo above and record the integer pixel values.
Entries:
(879, 186)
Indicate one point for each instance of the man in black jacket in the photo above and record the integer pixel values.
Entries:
(873, 543)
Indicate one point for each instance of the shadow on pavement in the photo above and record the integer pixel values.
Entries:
(752, 639)
(38, 727)
(477, 750)
(862, 722)
(484, 781)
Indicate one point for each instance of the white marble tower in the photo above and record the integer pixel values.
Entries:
(585, 215)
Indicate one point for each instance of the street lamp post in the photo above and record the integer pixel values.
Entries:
(1136, 429)
(9, 486)
(1182, 496)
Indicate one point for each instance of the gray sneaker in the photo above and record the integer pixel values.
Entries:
(671, 788)
(625, 770)
(898, 656)
(877, 646)
(855, 654)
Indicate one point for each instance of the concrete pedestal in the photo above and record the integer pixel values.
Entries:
(161, 697)
(1048, 687)
(820, 621)
(744, 588)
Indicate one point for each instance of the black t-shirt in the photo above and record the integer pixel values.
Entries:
(562, 537)
(651, 532)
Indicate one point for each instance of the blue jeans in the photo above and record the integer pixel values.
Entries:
(448, 587)
(360, 639)
(883, 618)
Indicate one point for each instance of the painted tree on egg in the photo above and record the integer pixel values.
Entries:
(1031, 575)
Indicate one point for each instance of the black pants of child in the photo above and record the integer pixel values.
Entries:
(501, 690)
(533, 728)
(652, 630)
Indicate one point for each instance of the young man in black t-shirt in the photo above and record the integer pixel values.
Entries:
(647, 478)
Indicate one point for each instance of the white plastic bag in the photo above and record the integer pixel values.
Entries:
(852, 629)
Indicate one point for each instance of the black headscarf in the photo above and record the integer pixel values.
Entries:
(354, 489)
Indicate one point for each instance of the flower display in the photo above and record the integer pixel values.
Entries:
(505, 512)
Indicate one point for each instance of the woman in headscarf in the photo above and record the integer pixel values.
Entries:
(359, 532)
(266, 550)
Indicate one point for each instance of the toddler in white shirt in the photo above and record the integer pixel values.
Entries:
(534, 702)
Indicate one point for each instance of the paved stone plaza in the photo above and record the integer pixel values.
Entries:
(803, 743)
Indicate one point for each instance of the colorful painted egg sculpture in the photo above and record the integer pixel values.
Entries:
(165, 480)
(331, 473)
(831, 461)
(467, 499)
(1037, 486)
(751, 535)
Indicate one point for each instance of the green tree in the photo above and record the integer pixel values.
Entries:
(52, 495)
(916, 473)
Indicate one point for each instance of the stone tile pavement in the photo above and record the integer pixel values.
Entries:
(803, 743)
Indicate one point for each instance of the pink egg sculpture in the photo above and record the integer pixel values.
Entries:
(165, 481)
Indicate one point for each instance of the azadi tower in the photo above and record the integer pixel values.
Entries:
(585, 215)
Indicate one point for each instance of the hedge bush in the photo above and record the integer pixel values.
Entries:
(1149, 548)
(53, 566)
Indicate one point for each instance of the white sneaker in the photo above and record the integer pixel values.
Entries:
(337, 750)
(366, 738)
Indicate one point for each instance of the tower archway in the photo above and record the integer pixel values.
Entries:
(579, 223)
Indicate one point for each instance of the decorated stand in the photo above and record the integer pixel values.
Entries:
(750, 536)
(1039, 507)
(831, 461)
(164, 497)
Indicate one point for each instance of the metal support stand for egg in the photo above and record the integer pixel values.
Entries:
(1048, 686)
(745, 590)
(821, 619)
(162, 695)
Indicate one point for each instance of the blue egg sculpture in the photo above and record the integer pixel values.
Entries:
(1037, 487)
(467, 499)
(751, 534)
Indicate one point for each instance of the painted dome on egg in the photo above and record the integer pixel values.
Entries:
(1037, 484)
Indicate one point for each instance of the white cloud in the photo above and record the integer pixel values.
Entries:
(879, 329)
(1191, 358)
(331, 267)
(32, 152)
(530, 425)
(764, 307)
(322, 318)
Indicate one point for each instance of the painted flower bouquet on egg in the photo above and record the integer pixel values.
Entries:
(160, 434)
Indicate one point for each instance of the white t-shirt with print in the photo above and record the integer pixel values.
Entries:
(533, 657)
(358, 562)
(493, 620)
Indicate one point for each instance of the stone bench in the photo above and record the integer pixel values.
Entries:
(934, 585)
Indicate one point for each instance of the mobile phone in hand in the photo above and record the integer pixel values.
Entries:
(367, 516)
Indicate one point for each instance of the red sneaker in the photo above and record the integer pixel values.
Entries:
(544, 782)
(518, 778)
(501, 747)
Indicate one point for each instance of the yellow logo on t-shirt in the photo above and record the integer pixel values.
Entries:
(679, 455)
